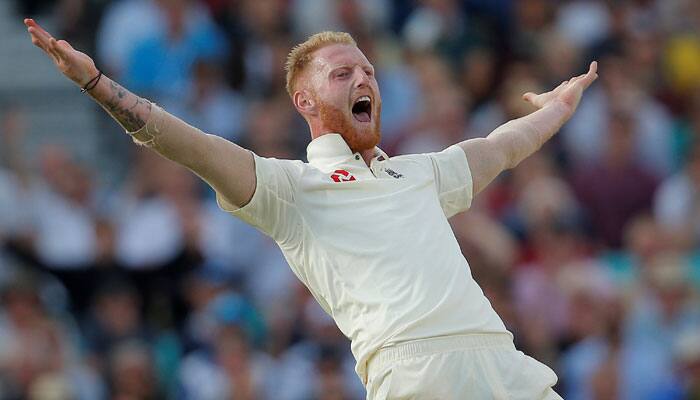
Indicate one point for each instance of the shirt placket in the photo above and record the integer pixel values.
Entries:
(373, 168)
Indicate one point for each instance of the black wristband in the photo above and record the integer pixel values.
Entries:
(91, 83)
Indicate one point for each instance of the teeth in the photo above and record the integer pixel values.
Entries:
(363, 98)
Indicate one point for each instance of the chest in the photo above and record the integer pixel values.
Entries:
(368, 206)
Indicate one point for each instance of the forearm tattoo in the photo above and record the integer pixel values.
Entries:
(128, 109)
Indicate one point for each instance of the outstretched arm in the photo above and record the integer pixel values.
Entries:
(227, 167)
(512, 142)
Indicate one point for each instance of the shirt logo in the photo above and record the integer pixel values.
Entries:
(393, 173)
(341, 175)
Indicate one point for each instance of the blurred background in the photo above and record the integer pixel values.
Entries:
(121, 279)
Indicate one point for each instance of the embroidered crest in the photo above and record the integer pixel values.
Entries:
(341, 175)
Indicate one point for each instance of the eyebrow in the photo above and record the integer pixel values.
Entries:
(333, 69)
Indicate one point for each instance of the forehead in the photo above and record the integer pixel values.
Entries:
(338, 54)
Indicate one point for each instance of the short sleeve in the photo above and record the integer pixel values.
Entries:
(272, 209)
(453, 179)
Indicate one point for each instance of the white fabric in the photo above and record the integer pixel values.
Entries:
(460, 367)
(376, 252)
(583, 23)
(126, 23)
(65, 231)
(149, 234)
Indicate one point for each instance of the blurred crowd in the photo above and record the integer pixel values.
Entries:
(144, 289)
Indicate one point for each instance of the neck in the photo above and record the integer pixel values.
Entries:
(367, 155)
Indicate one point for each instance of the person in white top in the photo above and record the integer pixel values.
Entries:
(366, 233)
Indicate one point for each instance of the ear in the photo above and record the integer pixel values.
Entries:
(305, 103)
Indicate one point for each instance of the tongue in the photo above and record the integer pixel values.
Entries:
(362, 116)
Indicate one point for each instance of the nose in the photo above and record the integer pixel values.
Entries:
(361, 78)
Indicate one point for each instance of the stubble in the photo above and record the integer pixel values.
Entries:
(338, 122)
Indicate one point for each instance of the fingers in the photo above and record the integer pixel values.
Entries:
(561, 85)
(36, 30)
(37, 40)
(591, 75)
(531, 96)
(578, 78)
(42, 39)
(33, 24)
(62, 48)
(54, 50)
(593, 68)
(44, 45)
(65, 46)
(591, 72)
(586, 79)
(583, 81)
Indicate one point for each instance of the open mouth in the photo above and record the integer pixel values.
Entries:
(362, 109)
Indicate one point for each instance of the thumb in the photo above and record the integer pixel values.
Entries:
(529, 97)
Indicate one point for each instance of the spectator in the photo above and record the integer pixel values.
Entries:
(160, 200)
(36, 347)
(228, 366)
(585, 135)
(131, 372)
(160, 64)
(116, 318)
(661, 312)
(209, 104)
(125, 23)
(64, 224)
(618, 186)
(676, 202)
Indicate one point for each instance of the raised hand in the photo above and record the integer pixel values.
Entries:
(228, 168)
(567, 93)
(129, 110)
(75, 65)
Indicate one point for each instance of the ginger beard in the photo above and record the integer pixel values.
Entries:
(364, 138)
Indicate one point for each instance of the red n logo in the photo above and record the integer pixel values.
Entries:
(341, 175)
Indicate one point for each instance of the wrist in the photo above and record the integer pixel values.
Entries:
(89, 75)
(92, 83)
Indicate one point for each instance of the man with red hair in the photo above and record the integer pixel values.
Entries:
(366, 233)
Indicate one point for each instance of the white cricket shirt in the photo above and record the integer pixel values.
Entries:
(373, 244)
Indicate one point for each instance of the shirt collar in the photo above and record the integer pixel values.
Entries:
(331, 149)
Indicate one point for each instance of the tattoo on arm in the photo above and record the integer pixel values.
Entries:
(117, 100)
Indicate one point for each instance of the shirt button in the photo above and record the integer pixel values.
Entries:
(357, 157)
